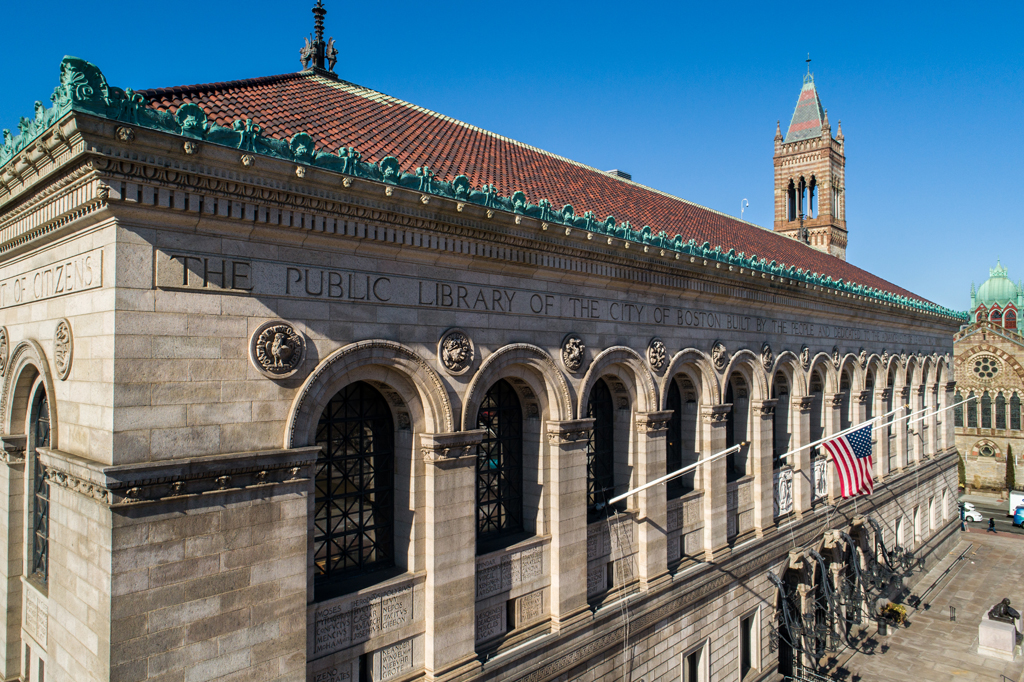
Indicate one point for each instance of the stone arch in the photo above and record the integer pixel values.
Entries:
(637, 378)
(789, 364)
(823, 363)
(749, 365)
(27, 362)
(707, 378)
(851, 364)
(530, 366)
(413, 383)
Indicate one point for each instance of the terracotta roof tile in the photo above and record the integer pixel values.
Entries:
(340, 114)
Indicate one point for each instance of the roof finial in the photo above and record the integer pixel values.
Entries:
(316, 50)
(808, 63)
(778, 130)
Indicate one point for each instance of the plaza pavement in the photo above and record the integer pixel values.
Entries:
(934, 648)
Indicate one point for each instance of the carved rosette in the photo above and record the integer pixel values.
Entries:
(836, 358)
(4, 350)
(276, 349)
(455, 351)
(805, 357)
(63, 349)
(657, 354)
(862, 357)
(767, 357)
(125, 134)
(573, 350)
(719, 356)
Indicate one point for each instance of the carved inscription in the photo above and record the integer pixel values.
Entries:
(332, 675)
(78, 273)
(392, 661)
(596, 541)
(36, 615)
(529, 608)
(501, 573)
(673, 547)
(491, 622)
(219, 273)
(331, 629)
(692, 543)
(342, 625)
(691, 513)
(596, 580)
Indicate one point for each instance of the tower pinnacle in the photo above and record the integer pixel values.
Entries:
(321, 55)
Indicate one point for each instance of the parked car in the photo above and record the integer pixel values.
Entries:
(1018, 516)
(972, 515)
(969, 506)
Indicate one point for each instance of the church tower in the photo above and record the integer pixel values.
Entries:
(810, 202)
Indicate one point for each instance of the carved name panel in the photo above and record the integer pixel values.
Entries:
(392, 661)
(491, 622)
(529, 608)
(691, 513)
(596, 579)
(69, 276)
(501, 573)
(693, 542)
(674, 540)
(623, 571)
(335, 674)
(673, 518)
(596, 544)
(36, 615)
(746, 520)
(621, 535)
(218, 273)
(339, 626)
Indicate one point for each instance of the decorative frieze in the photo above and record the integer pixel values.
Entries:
(36, 619)
(13, 449)
(715, 414)
(134, 484)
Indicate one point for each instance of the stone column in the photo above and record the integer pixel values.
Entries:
(763, 412)
(948, 433)
(652, 516)
(450, 534)
(12, 528)
(567, 457)
(833, 424)
(881, 432)
(803, 469)
(713, 479)
(900, 428)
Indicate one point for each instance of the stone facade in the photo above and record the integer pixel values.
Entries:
(187, 327)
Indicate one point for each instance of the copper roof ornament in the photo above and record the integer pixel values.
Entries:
(316, 51)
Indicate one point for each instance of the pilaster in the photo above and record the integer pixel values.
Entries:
(948, 434)
(803, 468)
(763, 412)
(652, 519)
(12, 526)
(713, 479)
(450, 534)
(833, 424)
(567, 454)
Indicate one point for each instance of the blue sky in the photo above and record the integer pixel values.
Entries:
(685, 97)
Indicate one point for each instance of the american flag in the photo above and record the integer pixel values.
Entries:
(852, 455)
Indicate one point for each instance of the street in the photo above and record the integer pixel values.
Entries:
(991, 508)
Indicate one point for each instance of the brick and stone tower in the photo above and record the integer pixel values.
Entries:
(810, 182)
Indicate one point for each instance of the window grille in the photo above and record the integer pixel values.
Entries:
(600, 446)
(499, 465)
(958, 411)
(986, 410)
(674, 441)
(1015, 412)
(972, 411)
(40, 490)
(354, 499)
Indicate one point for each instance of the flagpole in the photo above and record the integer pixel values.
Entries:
(948, 407)
(667, 477)
(843, 432)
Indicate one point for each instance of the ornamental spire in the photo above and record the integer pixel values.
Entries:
(322, 55)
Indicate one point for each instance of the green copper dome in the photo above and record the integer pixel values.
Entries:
(997, 288)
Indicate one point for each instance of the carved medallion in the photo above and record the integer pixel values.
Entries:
(657, 354)
(862, 357)
(836, 359)
(248, 160)
(573, 350)
(719, 356)
(125, 134)
(767, 357)
(276, 350)
(805, 357)
(4, 346)
(63, 349)
(190, 147)
(455, 351)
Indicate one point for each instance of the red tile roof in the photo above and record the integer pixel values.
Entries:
(339, 114)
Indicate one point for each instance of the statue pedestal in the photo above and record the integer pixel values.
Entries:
(996, 639)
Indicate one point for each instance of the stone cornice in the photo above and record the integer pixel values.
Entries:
(438, 447)
(652, 422)
(568, 432)
(13, 449)
(135, 484)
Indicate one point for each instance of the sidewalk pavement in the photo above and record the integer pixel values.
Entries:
(933, 647)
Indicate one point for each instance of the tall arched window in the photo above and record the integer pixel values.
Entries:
(869, 385)
(1000, 411)
(980, 315)
(1010, 319)
(986, 410)
(354, 526)
(673, 441)
(600, 447)
(499, 467)
(40, 435)
(791, 201)
(996, 315)
(817, 405)
(1015, 412)
(781, 437)
(972, 411)
(844, 390)
(958, 411)
(736, 426)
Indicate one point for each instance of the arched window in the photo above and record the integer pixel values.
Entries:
(40, 435)
(354, 526)
(958, 411)
(1015, 412)
(996, 315)
(673, 441)
(869, 385)
(499, 467)
(781, 437)
(1000, 411)
(981, 314)
(972, 411)
(600, 447)
(986, 410)
(844, 390)
(812, 197)
(791, 202)
(736, 426)
(817, 406)
(1010, 319)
